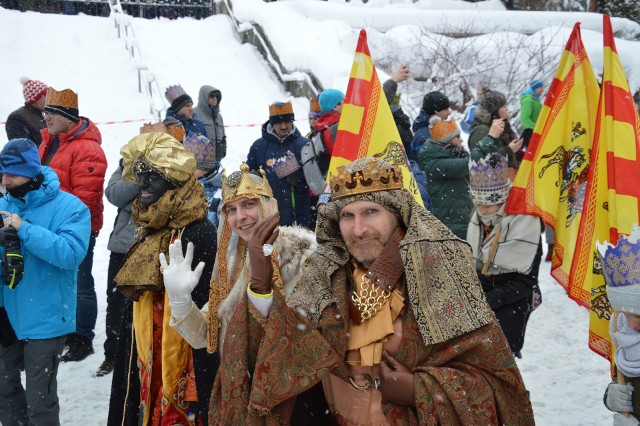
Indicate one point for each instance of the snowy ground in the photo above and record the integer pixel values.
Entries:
(565, 378)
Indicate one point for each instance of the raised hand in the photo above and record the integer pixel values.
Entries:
(261, 268)
(396, 381)
(179, 279)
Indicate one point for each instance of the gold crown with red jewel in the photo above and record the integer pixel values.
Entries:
(365, 175)
(242, 183)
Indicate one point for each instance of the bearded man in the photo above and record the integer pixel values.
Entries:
(389, 317)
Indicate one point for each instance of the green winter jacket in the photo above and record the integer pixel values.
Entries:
(530, 107)
(448, 177)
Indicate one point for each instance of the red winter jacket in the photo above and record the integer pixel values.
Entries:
(80, 164)
(328, 125)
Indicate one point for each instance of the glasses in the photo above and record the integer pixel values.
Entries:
(46, 114)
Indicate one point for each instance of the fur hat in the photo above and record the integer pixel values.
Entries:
(314, 108)
(280, 111)
(492, 101)
(535, 84)
(177, 97)
(64, 103)
(489, 180)
(443, 131)
(329, 98)
(32, 90)
(20, 157)
(435, 102)
(203, 149)
(621, 270)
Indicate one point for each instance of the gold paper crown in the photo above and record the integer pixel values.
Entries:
(280, 108)
(314, 105)
(66, 98)
(155, 127)
(241, 183)
(365, 175)
(444, 128)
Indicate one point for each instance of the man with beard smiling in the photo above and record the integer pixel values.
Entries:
(390, 318)
(173, 383)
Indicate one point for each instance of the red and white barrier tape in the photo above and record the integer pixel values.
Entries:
(147, 119)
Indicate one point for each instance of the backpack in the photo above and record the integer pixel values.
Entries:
(315, 162)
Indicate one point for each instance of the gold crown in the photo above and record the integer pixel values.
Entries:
(280, 108)
(241, 183)
(66, 98)
(365, 175)
(151, 128)
(444, 128)
(314, 105)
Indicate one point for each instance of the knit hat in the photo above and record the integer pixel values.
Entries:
(175, 128)
(443, 131)
(536, 84)
(32, 90)
(280, 111)
(177, 97)
(621, 270)
(492, 101)
(435, 102)
(489, 180)
(203, 149)
(329, 98)
(314, 108)
(64, 103)
(20, 157)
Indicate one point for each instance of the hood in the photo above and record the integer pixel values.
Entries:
(85, 130)
(529, 91)
(268, 134)
(203, 96)
(47, 190)
(482, 116)
(422, 120)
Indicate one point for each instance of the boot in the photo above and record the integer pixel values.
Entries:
(106, 367)
(79, 349)
(549, 253)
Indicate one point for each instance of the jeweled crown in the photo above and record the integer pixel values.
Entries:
(241, 183)
(365, 175)
(621, 263)
(285, 165)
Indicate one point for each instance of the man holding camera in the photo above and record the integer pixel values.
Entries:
(44, 238)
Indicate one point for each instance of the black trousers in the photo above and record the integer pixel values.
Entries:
(115, 304)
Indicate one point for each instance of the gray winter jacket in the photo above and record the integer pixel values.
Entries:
(121, 194)
(212, 119)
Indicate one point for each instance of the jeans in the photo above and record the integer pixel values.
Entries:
(115, 305)
(87, 309)
(38, 405)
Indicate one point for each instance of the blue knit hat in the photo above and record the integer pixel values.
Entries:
(20, 157)
(329, 99)
(536, 84)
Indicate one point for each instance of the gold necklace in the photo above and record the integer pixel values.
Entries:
(369, 299)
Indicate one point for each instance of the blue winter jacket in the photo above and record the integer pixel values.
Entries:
(291, 192)
(421, 132)
(54, 236)
(194, 125)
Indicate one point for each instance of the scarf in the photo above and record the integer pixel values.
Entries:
(157, 224)
(626, 340)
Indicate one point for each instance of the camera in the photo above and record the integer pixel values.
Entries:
(12, 261)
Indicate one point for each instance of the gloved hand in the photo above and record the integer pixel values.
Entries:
(620, 420)
(619, 398)
(261, 267)
(396, 382)
(179, 279)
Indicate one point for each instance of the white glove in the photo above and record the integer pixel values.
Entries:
(179, 279)
(620, 420)
(619, 398)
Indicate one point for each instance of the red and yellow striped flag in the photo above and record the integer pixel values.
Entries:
(552, 178)
(366, 127)
(612, 199)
